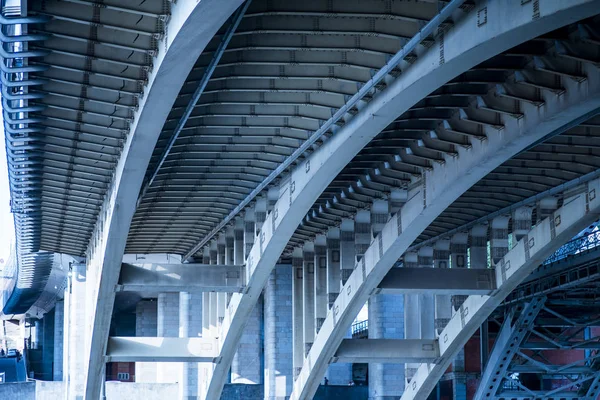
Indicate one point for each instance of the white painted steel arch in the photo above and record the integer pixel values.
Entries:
(509, 23)
(442, 186)
(191, 26)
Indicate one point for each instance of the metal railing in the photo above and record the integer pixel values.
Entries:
(575, 246)
(360, 328)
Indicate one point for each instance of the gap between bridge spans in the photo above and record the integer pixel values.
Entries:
(462, 50)
(191, 26)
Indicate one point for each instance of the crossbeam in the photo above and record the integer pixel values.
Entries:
(159, 278)
(539, 345)
(387, 351)
(161, 349)
(522, 395)
(551, 369)
(454, 281)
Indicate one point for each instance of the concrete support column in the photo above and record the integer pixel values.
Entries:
(206, 255)
(459, 382)
(190, 325)
(426, 300)
(458, 250)
(545, 207)
(386, 321)
(297, 313)
(247, 364)
(458, 259)
(229, 246)
(168, 326)
(206, 299)
(443, 303)
(59, 323)
(75, 298)
(380, 213)
(478, 250)
(221, 297)
(213, 319)
(339, 373)
(278, 369)
(362, 236)
(260, 214)
(333, 266)
(146, 320)
(499, 238)
(397, 199)
(459, 387)
(308, 289)
(347, 249)
(239, 256)
(320, 281)
(229, 255)
(249, 223)
(412, 319)
(521, 223)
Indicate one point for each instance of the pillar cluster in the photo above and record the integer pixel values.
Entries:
(295, 304)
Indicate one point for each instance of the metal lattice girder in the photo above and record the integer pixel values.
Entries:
(456, 281)
(439, 190)
(387, 351)
(191, 27)
(570, 345)
(157, 278)
(161, 349)
(507, 344)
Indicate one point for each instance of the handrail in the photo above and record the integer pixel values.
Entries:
(360, 327)
(575, 246)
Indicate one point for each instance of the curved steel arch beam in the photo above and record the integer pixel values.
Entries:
(403, 228)
(509, 23)
(440, 188)
(191, 26)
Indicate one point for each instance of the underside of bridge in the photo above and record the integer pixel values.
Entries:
(273, 199)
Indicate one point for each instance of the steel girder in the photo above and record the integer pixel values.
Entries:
(302, 188)
(190, 28)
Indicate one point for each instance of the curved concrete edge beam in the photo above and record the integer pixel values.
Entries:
(520, 261)
(191, 26)
(511, 25)
(443, 186)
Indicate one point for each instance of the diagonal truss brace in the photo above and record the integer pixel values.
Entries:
(507, 344)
